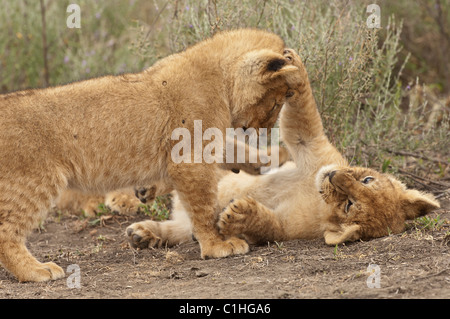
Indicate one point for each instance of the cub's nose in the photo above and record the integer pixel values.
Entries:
(331, 174)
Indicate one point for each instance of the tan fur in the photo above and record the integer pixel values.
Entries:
(129, 201)
(80, 203)
(114, 132)
(126, 201)
(305, 199)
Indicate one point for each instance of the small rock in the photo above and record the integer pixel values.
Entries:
(174, 275)
(201, 273)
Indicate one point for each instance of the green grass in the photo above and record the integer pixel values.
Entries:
(158, 210)
(428, 223)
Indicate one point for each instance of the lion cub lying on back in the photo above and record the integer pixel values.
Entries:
(318, 196)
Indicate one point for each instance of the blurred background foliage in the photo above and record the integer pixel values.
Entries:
(384, 94)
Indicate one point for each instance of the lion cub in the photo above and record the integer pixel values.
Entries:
(115, 132)
(317, 195)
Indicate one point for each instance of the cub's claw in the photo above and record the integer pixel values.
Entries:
(235, 218)
(145, 194)
(140, 237)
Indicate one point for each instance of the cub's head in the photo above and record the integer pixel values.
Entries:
(367, 204)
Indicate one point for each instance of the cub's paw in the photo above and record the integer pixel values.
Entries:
(294, 59)
(140, 235)
(90, 208)
(237, 216)
(268, 157)
(40, 272)
(220, 249)
(145, 194)
(122, 203)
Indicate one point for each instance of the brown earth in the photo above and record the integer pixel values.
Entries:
(414, 264)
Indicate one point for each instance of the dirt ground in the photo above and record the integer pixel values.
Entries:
(414, 264)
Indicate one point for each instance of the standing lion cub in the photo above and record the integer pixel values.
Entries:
(115, 132)
(319, 195)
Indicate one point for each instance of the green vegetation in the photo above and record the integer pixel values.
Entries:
(159, 209)
(428, 223)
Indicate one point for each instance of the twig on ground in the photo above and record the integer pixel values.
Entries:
(402, 153)
(416, 177)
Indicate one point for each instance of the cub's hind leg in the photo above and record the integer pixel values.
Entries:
(250, 219)
(80, 203)
(22, 208)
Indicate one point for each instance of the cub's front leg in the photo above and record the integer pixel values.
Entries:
(250, 219)
(196, 185)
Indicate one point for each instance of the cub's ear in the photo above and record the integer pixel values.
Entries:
(415, 204)
(260, 60)
(275, 64)
(264, 63)
(346, 233)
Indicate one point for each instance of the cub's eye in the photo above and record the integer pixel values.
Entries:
(367, 179)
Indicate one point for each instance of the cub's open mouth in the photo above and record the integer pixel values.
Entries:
(348, 205)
